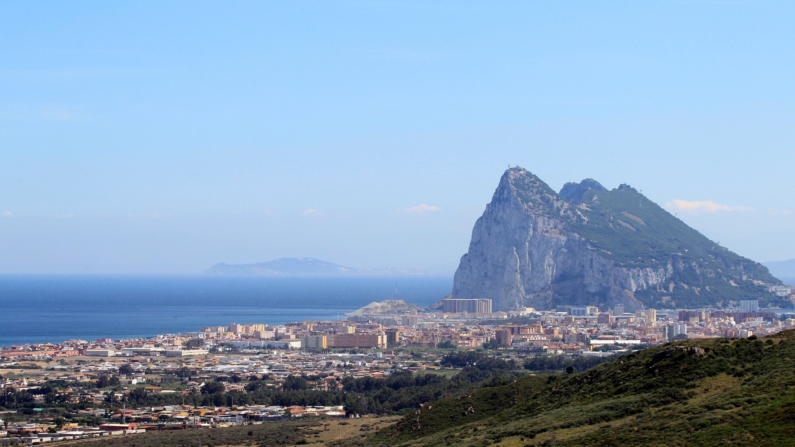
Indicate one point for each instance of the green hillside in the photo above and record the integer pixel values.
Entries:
(701, 392)
(633, 231)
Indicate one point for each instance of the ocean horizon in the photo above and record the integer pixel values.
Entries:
(56, 308)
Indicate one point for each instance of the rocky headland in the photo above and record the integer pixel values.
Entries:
(588, 245)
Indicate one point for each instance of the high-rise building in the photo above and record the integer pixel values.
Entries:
(578, 311)
(470, 305)
(392, 337)
(672, 330)
(235, 328)
(503, 337)
(651, 316)
(618, 310)
(749, 305)
(604, 318)
(314, 342)
(357, 341)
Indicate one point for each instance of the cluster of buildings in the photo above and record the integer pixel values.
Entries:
(567, 329)
(327, 352)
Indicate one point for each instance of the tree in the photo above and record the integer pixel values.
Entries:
(126, 369)
(295, 383)
(213, 387)
(491, 344)
(447, 344)
(104, 381)
(194, 343)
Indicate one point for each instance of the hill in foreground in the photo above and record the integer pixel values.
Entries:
(713, 392)
(589, 245)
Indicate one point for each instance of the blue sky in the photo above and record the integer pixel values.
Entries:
(154, 137)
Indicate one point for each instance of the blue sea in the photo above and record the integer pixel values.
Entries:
(37, 309)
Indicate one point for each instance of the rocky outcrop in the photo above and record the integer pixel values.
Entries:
(386, 307)
(531, 247)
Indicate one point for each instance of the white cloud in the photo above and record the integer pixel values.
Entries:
(704, 206)
(311, 212)
(8, 214)
(420, 209)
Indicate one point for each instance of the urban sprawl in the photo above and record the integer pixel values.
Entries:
(99, 377)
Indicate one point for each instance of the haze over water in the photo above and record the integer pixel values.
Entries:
(37, 309)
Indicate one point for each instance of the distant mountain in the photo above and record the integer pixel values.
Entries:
(592, 246)
(283, 267)
(782, 268)
(306, 267)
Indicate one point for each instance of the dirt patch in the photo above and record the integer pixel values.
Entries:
(635, 218)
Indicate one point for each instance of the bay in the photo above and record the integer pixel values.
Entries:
(38, 309)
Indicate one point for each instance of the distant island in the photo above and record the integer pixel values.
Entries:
(309, 267)
(784, 270)
(283, 267)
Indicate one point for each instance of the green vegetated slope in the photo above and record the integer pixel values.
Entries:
(633, 231)
(706, 392)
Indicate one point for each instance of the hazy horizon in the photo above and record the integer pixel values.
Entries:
(142, 138)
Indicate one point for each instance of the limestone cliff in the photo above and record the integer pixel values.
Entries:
(534, 247)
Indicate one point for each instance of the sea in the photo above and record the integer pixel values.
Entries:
(52, 309)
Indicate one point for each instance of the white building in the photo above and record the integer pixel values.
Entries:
(749, 305)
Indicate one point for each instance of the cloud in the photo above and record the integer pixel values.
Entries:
(420, 209)
(311, 212)
(8, 214)
(704, 206)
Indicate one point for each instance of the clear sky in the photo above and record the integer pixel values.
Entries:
(163, 137)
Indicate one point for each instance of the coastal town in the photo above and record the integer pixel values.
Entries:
(99, 378)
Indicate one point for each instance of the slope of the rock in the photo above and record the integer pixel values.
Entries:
(531, 247)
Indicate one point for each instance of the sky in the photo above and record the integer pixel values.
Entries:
(165, 137)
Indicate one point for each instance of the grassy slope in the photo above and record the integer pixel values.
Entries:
(739, 392)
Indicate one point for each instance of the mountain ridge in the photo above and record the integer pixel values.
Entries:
(532, 247)
(311, 267)
(283, 267)
(785, 268)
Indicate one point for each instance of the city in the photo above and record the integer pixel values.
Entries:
(99, 378)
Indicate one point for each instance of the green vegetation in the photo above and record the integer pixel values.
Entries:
(699, 392)
(447, 344)
(633, 231)
(193, 343)
(562, 363)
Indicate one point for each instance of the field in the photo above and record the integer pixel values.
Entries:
(315, 432)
